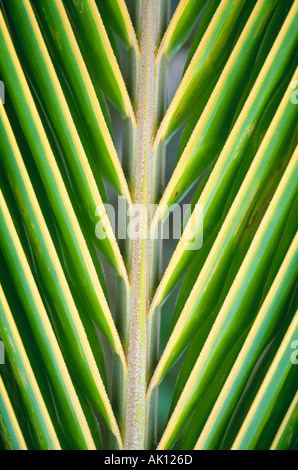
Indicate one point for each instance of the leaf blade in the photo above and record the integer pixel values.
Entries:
(75, 338)
(278, 132)
(237, 142)
(117, 14)
(268, 392)
(256, 340)
(42, 425)
(180, 27)
(59, 113)
(10, 429)
(235, 306)
(288, 427)
(76, 72)
(93, 37)
(55, 188)
(16, 260)
(202, 65)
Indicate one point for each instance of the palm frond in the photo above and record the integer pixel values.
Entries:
(82, 311)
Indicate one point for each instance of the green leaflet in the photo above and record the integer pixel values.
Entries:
(55, 188)
(208, 12)
(71, 328)
(59, 114)
(203, 66)
(207, 134)
(99, 55)
(116, 15)
(267, 395)
(237, 309)
(41, 326)
(251, 219)
(53, 404)
(67, 51)
(260, 333)
(9, 426)
(268, 153)
(288, 429)
(180, 27)
(199, 102)
(241, 247)
(42, 425)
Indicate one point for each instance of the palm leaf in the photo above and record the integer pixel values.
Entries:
(267, 396)
(287, 429)
(78, 75)
(10, 429)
